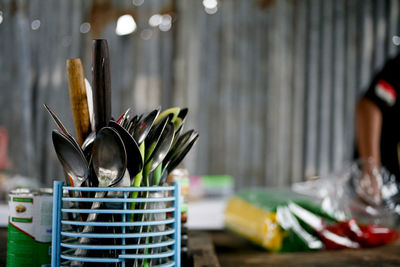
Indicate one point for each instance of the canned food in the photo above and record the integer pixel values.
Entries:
(42, 221)
(181, 175)
(29, 227)
(21, 236)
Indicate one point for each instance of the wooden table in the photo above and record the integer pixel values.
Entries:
(3, 245)
(226, 249)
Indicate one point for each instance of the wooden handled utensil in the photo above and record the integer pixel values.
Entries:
(77, 94)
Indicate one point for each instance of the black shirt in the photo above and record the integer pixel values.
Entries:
(384, 91)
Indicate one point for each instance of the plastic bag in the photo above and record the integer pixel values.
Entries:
(338, 194)
(264, 216)
(283, 220)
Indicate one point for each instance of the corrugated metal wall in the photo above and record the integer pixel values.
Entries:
(271, 85)
(275, 87)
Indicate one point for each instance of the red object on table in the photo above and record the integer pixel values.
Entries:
(350, 234)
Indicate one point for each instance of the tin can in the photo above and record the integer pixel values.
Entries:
(21, 237)
(29, 227)
(181, 175)
(42, 222)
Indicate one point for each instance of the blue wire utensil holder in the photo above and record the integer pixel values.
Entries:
(117, 238)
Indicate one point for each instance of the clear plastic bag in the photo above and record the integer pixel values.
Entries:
(326, 213)
(338, 195)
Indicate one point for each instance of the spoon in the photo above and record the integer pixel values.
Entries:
(109, 164)
(162, 147)
(87, 146)
(61, 126)
(71, 158)
(177, 145)
(74, 164)
(178, 131)
(171, 111)
(142, 128)
(182, 113)
(170, 165)
(89, 97)
(88, 143)
(125, 121)
(109, 157)
(123, 116)
(180, 119)
(132, 124)
(134, 158)
(154, 136)
(160, 151)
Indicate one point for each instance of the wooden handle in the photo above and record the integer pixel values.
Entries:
(77, 94)
(101, 84)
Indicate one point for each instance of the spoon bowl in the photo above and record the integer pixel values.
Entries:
(177, 145)
(61, 126)
(162, 147)
(109, 157)
(180, 155)
(142, 128)
(134, 158)
(71, 158)
(109, 164)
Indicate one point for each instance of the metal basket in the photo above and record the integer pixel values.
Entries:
(121, 240)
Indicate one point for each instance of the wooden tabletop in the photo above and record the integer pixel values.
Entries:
(232, 250)
(226, 249)
(3, 245)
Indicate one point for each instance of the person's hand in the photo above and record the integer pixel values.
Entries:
(369, 185)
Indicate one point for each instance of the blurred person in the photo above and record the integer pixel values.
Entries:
(378, 131)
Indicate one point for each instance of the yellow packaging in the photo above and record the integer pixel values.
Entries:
(254, 223)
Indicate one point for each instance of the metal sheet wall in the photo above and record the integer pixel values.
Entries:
(271, 85)
(274, 83)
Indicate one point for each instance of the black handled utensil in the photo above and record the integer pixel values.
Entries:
(101, 84)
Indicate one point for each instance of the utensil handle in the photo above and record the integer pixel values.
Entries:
(87, 229)
(77, 94)
(101, 83)
(142, 218)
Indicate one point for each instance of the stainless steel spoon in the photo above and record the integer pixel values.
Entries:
(71, 158)
(123, 116)
(177, 145)
(160, 151)
(89, 140)
(87, 145)
(142, 129)
(180, 155)
(178, 131)
(109, 157)
(74, 164)
(134, 158)
(162, 147)
(154, 136)
(182, 114)
(61, 126)
(109, 164)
